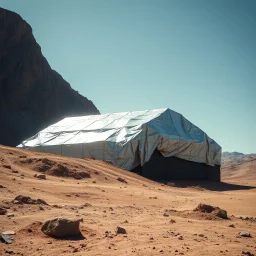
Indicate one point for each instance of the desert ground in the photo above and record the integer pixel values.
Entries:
(90, 189)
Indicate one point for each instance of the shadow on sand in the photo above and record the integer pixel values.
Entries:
(209, 185)
(73, 238)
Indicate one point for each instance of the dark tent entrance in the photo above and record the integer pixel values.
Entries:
(162, 168)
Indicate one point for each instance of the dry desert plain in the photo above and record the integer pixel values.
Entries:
(90, 190)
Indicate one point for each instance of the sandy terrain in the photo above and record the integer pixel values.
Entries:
(138, 206)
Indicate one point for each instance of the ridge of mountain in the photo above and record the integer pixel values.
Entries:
(32, 95)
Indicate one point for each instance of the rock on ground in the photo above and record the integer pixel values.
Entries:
(2, 211)
(205, 208)
(244, 234)
(61, 227)
(28, 200)
(120, 230)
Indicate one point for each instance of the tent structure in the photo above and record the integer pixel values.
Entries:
(160, 144)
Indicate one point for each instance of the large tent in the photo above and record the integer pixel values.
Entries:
(159, 144)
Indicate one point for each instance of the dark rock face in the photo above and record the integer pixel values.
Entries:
(32, 95)
(213, 210)
(61, 227)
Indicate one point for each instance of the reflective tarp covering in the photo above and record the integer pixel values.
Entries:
(127, 139)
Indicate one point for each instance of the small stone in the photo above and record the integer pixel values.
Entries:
(49, 242)
(7, 166)
(75, 250)
(120, 230)
(231, 225)
(9, 215)
(245, 252)
(180, 238)
(121, 180)
(172, 221)
(14, 171)
(30, 230)
(166, 214)
(41, 176)
(244, 234)
(9, 251)
(3, 211)
(41, 208)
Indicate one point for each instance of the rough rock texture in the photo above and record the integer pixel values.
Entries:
(212, 209)
(28, 200)
(32, 95)
(120, 230)
(2, 211)
(61, 227)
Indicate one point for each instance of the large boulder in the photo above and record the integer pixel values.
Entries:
(61, 227)
(205, 208)
(32, 95)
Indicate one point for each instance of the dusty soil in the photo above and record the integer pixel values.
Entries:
(91, 190)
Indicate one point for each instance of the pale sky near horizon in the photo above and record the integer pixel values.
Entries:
(195, 57)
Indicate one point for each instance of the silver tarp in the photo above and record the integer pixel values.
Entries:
(127, 139)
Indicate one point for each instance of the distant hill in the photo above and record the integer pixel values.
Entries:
(235, 158)
(237, 165)
(32, 95)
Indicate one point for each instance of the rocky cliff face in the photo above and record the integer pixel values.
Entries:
(32, 95)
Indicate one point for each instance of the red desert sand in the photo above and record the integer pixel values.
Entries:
(123, 213)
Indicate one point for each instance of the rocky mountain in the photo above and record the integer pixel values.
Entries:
(32, 95)
(233, 159)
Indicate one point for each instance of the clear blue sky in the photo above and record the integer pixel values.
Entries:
(195, 57)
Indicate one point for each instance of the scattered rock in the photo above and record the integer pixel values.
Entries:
(120, 230)
(75, 250)
(14, 171)
(28, 200)
(166, 214)
(212, 209)
(41, 176)
(231, 225)
(7, 166)
(61, 227)
(3, 211)
(29, 230)
(9, 251)
(244, 234)
(5, 238)
(172, 221)
(245, 252)
(9, 215)
(121, 180)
